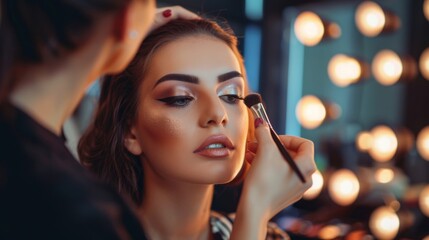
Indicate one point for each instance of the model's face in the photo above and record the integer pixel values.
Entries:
(191, 126)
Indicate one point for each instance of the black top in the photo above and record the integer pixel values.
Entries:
(46, 194)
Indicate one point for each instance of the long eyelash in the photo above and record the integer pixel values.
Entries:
(233, 95)
(170, 100)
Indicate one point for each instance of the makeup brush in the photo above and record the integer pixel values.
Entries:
(254, 102)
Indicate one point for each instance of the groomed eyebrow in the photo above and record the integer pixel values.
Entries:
(193, 79)
(226, 76)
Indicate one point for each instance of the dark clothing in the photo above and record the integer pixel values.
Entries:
(46, 194)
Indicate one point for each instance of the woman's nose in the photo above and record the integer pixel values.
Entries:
(213, 112)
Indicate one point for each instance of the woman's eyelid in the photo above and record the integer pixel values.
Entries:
(176, 92)
(232, 89)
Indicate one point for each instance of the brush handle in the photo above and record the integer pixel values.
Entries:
(286, 155)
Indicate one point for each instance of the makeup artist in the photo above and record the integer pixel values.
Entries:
(50, 52)
(173, 124)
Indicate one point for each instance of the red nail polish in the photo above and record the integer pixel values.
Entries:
(166, 13)
(258, 122)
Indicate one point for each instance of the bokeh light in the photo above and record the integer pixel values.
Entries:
(424, 64)
(370, 18)
(384, 143)
(310, 112)
(309, 28)
(344, 70)
(424, 201)
(343, 187)
(423, 143)
(364, 141)
(384, 175)
(387, 67)
(384, 223)
(316, 188)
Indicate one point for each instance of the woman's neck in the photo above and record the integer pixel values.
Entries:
(176, 210)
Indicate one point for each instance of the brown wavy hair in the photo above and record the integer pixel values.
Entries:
(101, 147)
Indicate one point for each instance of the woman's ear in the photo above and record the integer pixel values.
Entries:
(131, 142)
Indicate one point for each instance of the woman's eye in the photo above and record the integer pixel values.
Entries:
(177, 101)
(231, 98)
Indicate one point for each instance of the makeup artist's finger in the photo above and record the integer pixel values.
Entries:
(166, 14)
(262, 133)
(297, 144)
(302, 151)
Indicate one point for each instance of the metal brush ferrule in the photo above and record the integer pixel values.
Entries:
(258, 111)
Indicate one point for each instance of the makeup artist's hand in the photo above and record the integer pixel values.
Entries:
(271, 185)
(166, 14)
(271, 176)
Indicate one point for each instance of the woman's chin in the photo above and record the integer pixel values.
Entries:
(225, 177)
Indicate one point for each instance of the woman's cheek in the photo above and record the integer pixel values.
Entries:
(162, 128)
(241, 123)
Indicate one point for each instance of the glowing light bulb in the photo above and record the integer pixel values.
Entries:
(309, 28)
(310, 112)
(424, 201)
(344, 70)
(370, 18)
(424, 61)
(384, 145)
(423, 143)
(384, 175)
(344, 187)
(387, 67)
(364, 141)
(316, 188)
(384, 223)
(426, 9)
(329, 232)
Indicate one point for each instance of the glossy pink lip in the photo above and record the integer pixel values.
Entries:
(215, 152)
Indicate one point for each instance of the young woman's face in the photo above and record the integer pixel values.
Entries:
(191, 126)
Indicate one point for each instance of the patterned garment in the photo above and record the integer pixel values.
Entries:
(222, 227)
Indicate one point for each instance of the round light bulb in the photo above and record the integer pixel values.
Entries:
(330, 232)
(310, 112)
(384, 175)
(384, 144)
(316, 188)
(344, 187)
(424, 63)
(370, 18)
(384, 223)
(423, 143)
(387, 67)
(426, 9)
(344, 70)
(424, 201)
(309, 28)
(364, 141)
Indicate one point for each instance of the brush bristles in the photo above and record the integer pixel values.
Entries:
(252, 99)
